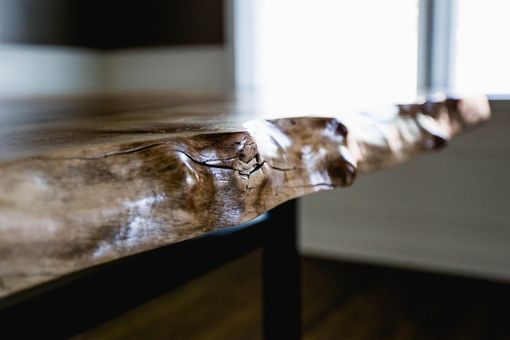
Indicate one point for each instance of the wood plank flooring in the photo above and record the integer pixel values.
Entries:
(340, 301)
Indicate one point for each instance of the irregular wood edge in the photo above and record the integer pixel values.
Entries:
(64, 212)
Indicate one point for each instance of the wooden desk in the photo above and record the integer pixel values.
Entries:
(85, 181)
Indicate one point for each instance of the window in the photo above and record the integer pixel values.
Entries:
(481, 48)
(370, 51)
(325, 51)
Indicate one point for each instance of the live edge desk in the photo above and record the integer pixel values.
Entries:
(105, 202)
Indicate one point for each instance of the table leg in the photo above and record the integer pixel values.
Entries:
(281, 276)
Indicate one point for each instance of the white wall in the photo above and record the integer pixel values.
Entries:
(38, 70)
(447, 211)
(202, 67)
(41, 70)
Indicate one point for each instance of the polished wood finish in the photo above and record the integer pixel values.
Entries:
(86, 181)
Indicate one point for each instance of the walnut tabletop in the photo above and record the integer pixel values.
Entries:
(84, 181)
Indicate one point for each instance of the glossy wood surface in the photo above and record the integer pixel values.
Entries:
(89, 180)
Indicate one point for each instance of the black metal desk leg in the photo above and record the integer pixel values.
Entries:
(281, 275)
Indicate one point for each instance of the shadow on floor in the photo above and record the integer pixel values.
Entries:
(340, 300)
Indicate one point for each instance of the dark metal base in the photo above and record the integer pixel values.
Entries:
(85, 299)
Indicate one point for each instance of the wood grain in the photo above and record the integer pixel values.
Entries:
(85, 181)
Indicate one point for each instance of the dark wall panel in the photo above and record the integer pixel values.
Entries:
(112, 24)
(36, 22)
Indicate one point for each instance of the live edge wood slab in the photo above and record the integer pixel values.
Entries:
(85, 181)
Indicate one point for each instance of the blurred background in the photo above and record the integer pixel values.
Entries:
(447, 212)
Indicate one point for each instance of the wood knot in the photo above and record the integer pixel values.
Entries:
(436, 142)
(452, 104)
(247, 152)
(341, 129)
(343, 172)
(408, 109)
(341, 166)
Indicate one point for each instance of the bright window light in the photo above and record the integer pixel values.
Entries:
(482, 50)
(332, 51)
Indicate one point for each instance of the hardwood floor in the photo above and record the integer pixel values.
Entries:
(340, 300)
